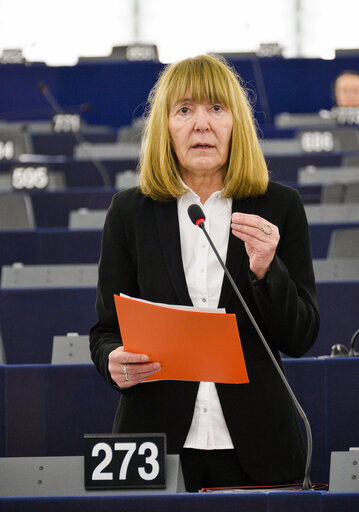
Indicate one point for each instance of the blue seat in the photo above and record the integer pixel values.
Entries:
(50, 407)
(321, 234)
(338, 304)
(327, 391)
(53, 209)
(30, 318)
(50, 246)
(2, 411)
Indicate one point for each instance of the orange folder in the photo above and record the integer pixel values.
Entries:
(190, 345)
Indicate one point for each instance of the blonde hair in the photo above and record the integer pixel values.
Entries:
(207, 78)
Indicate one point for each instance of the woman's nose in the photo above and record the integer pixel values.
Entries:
(201, 121)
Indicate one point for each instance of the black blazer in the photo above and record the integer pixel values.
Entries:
(141, 257)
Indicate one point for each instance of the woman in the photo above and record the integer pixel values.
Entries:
(200, 146)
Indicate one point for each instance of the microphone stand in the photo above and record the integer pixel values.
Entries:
(43, 88)
(307, 486)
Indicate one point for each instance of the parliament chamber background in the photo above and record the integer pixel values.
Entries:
(69, 139)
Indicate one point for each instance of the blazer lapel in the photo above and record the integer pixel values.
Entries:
(236, 253)
(168, 229)
(169, 236)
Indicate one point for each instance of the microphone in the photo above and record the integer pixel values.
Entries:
(45, 91)
(198, 218)
(352, 352)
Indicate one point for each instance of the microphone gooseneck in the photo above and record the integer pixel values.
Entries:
(197, 216)
(352, 344)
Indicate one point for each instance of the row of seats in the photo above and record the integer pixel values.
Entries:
(103, 143)
(53, 209)
(19, 276)
(66, 173)
(82, 246)
(55, 407)
(58, 136)
(17, 212)
(31, 317)
(80, 173)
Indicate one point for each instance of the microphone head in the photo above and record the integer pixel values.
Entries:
(196, 214)
(339, 350)
(85, 107)
(42, 87)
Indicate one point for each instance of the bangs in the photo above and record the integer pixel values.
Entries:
(200, 81)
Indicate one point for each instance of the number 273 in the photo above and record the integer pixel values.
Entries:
(130, 449)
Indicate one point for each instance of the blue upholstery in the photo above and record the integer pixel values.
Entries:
(342, 386)
(50, 246)
(64, 143)
(285, 167)
(52, 209)
(50, 407)
(30, 318)
(320, 236)
(307, 378)
(339, 314)
(2, 411)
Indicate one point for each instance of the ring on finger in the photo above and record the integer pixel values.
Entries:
(267, 230)
(127, 378)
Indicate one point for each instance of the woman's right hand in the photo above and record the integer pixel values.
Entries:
(128, 368)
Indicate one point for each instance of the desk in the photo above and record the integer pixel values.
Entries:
(253, 502)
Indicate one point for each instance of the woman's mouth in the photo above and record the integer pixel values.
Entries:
(202, 146)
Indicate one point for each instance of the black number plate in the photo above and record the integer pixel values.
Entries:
(124, 461)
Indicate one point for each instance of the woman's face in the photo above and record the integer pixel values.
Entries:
(200, 135)
(347, 90)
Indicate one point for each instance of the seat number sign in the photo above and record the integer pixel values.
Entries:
(125, 461)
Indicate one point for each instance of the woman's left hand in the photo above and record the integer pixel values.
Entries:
(260, 238)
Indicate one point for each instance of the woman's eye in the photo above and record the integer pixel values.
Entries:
(217, 108)
(184, 110)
